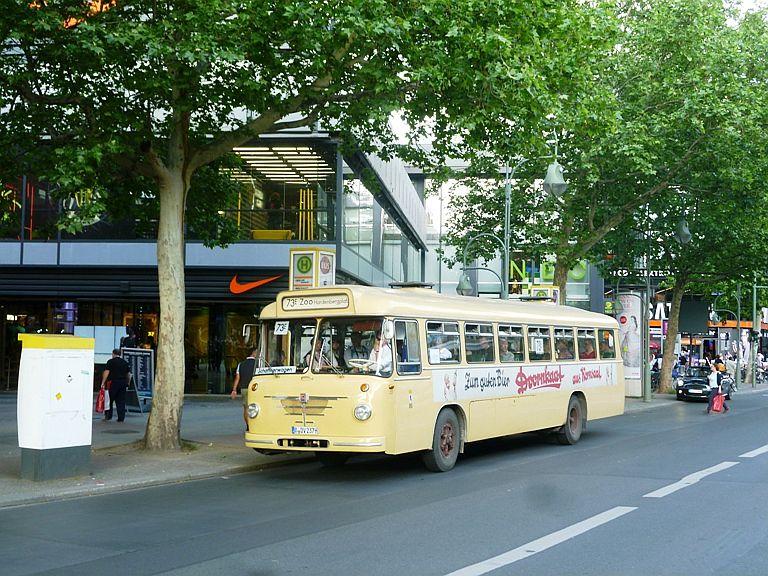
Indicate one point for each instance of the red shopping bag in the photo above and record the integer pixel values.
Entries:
(100, 401)
(717, 403)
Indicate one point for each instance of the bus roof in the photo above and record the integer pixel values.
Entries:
(357, 300)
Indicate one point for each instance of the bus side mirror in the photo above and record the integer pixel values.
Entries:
(388, 329)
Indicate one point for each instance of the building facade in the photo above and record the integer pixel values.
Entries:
(297, 190)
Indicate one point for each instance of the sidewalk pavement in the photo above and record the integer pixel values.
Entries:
(212, 428)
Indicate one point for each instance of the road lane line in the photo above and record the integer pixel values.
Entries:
(542, 543)
(755, 452)
(689, 480)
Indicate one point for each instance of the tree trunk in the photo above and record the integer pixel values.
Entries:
(560, 279)
(164, 423)
(672, 328)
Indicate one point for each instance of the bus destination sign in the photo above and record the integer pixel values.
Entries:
(315, 302)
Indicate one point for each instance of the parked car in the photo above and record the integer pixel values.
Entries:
(693, 384)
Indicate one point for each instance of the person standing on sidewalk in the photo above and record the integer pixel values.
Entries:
(244, 373)
(117, 372)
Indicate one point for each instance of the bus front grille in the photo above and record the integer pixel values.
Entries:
(311, 406)
(302, 443)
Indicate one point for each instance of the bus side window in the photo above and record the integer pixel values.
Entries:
(408, 353)
(478, 340)
(511, 343)
(607, 344)
(564, 343)
(539, 343)
(443, 342)
(587, 348)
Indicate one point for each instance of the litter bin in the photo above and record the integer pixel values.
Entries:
(54, 405)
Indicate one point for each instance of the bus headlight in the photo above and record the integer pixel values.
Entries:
(253, 410)
(363, 412)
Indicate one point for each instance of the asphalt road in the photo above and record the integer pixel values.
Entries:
(668, 491)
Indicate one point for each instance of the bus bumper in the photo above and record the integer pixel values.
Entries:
(290, 443)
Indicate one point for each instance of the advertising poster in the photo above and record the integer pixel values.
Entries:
(630, 338)
(505, 381)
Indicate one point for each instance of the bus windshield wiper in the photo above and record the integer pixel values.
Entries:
(265, 364)
(330, 365)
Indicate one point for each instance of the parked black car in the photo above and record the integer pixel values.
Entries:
(694, 384)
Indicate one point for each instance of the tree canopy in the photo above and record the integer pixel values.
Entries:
(137, 98)
(683, 127)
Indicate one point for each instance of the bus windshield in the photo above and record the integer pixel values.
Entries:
(337, 345)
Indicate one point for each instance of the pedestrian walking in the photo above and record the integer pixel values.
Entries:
(115, 378)
(715, 379)
(244, 373)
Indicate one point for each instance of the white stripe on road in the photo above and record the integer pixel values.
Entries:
(688, 480)
(756, 452)
(542, 544)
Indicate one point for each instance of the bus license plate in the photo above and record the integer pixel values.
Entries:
(303, 430)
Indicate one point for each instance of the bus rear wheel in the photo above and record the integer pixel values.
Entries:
(571, 431)
(446, 442)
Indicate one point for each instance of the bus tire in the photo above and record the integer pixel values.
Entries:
(574, 423)
(446, 442)
(332, 459)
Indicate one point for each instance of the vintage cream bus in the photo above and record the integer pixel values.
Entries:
(355, 369)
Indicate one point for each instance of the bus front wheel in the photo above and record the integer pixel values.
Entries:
(574, 423)
(446, 442)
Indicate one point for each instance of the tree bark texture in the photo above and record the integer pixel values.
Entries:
(163, 426)
(669, 358)
(560, 280)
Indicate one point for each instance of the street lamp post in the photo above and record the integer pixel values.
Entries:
(554, 184)
(464, 287)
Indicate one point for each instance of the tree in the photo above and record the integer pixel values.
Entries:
(721, 192)
(684, 81)
(137, 97)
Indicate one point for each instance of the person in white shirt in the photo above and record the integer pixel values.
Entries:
(381, 356)
(317, 356)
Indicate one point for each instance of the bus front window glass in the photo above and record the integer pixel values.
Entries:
(302, 334)
(335, 336)
(276, 343)
(343, 345)
(539, 344)
(511, 343)
(564, 343)
(607, 344)
(478, 340)
(587, 346)
(407, 350)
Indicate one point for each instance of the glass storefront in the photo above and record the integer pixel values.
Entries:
(286, 189)
(217, 336)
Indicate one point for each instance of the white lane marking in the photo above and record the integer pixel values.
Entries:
(689, 480)
(542, 543)
(755, 452)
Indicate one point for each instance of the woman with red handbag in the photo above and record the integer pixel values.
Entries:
(716, 397)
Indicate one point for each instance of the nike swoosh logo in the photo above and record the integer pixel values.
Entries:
(238, 288)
